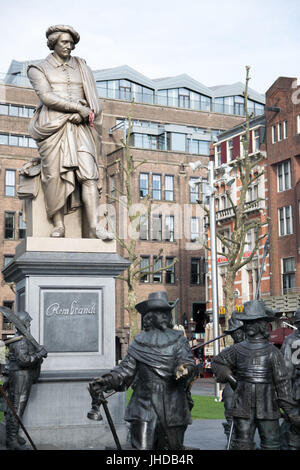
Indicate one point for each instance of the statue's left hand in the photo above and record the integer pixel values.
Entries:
(181, 371)
(75, 118)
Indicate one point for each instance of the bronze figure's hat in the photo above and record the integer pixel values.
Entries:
(256, 310)
(63, 28)
(156, 301)
(233, 324)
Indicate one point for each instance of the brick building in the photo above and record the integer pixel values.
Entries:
(227, 149)
(174, 121)
(283, 165)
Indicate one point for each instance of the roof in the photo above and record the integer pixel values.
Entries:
(236, 89)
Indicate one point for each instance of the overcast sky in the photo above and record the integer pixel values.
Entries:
(210, 40)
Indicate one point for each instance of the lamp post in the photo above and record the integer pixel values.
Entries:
(208, 190)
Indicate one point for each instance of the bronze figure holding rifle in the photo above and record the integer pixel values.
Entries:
(256, 371)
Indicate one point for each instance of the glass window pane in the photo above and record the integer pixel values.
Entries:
(169, 188)
(178, 141)
(10, 182)
(9, 225)
(144, 184)
(14, 110)
(4, 109)
(156, 187)
(3, 139)
(14, 140)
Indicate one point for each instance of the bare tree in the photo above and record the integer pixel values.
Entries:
(248, 171)
(125, 196)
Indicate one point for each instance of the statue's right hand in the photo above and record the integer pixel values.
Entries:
(101, 384)
(43, 352)
(84, 112)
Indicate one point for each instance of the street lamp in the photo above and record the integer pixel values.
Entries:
(208, 190)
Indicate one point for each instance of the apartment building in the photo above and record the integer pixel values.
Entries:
(283, 166)
(228, 148)
(174, 120)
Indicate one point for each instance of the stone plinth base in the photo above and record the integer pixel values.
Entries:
(71, 299)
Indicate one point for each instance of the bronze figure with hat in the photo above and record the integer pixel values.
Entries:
(159, 366)
(235, 330)
(256, 370)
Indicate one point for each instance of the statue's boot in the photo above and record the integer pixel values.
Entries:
(58, 232)
(241, 444)
(12, 429)
(103, 234)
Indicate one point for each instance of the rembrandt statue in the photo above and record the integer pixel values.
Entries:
(66, 128)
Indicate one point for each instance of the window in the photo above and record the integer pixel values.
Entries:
(3, 139)
(256, 137)
(284, 176)
(169, 228)
(195, 229)
(288, 274)
(144, 141)
(279, 131)
(230, 149)
(9, 225)
(144, 227)
(195, 271)
(157, 277)
(184, 98)
(285, 220)
(253, 193)
(17, 140)
(285, 129)
(22, 226)
(144, 184)
(169, 188)
(274, 134)
(170, 272)
(218, 155)
(194, 190)
(157, 227)
(145, 265)
(7, 259)
(112, 190)
(156, 187)
(10, 183)
(178, 142)
(12, 110)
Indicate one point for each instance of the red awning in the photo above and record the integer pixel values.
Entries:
(277, 336)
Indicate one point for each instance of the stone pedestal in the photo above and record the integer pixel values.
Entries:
(68, 287)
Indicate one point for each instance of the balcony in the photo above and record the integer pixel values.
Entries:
(228, 212)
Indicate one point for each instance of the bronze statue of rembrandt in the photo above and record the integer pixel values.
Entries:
(66, 128)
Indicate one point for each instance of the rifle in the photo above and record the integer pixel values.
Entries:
(98, 399)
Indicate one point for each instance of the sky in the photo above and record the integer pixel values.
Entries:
(210, 40)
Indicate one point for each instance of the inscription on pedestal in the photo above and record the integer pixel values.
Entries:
(71, 320)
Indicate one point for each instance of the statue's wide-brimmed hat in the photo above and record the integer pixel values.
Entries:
(63, 28)
(256, 310)
(297, 316)
(233, 324)
(156, 301)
